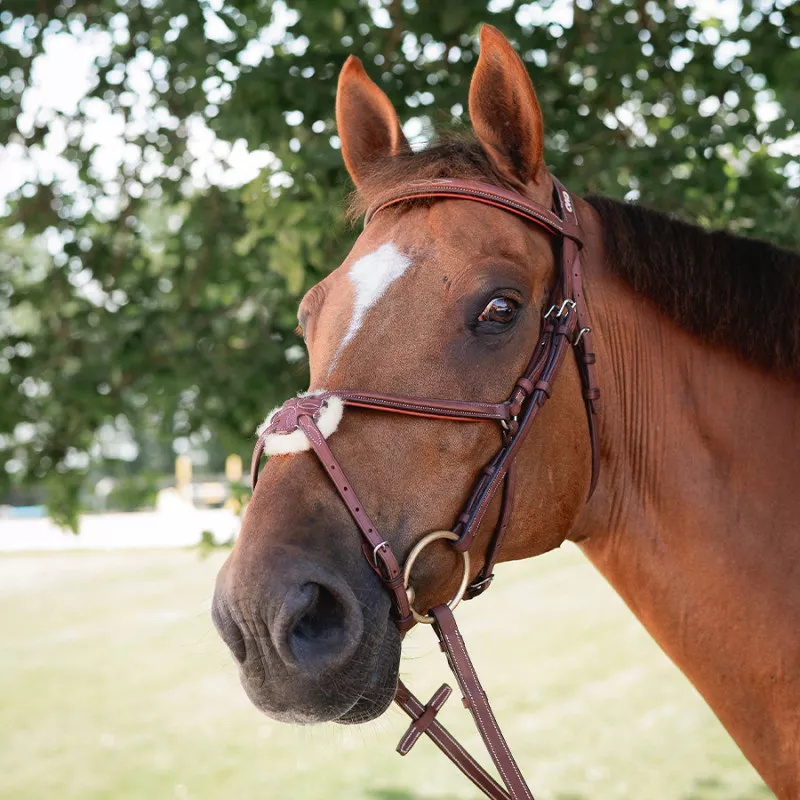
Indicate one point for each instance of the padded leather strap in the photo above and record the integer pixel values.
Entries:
(469, 522)
(378, 553)
(584, 351)
(477, 702)
(479, 192)
(485, 577)
(469, 410)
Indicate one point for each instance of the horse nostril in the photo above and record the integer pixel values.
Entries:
(323, 632)
(323, 617)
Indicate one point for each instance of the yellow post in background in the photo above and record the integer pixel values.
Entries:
(233, 468)
(233, 472)
(183, 477)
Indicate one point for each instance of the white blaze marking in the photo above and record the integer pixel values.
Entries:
(371, 276)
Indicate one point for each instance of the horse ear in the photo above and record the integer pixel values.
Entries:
(504, 110)
(368, 126)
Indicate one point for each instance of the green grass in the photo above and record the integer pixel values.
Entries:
(113, 684)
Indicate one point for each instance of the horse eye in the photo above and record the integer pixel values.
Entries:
(499, 309)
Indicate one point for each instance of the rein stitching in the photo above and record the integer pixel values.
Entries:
(564, 324)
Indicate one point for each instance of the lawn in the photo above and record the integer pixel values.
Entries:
(114, 685)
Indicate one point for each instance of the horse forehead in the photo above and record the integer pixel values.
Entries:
(368, 279)
(372, 274)
(449, 234)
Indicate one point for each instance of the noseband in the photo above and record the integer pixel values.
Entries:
(565, 324)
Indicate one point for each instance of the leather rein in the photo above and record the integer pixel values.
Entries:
(565, 325)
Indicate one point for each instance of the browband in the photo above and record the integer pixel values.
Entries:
(481, 193)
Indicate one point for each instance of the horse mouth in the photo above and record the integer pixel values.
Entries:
(359, 693)
(368, 707)
(378, 696)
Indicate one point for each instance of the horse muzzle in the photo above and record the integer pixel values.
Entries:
(308, 649)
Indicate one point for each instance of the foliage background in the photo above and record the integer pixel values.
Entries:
(153, 300)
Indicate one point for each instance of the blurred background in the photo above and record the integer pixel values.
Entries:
(170, 185)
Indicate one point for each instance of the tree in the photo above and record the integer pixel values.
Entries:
(151, 294)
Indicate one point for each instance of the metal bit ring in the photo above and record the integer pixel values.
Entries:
(427, 619)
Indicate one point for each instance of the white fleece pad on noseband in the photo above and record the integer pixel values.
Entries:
(276, 444)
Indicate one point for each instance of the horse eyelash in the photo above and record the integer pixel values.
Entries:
(298, 331)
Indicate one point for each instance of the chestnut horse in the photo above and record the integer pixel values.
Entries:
(695, 519)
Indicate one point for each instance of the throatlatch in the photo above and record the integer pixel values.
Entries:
(311, 418)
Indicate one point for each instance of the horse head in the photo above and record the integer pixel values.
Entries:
(437, 299)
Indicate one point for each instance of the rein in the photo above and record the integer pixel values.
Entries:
(565, 325)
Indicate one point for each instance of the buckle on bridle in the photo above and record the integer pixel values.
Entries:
(565, 307)
(479, 587)
(580, 336)
(375, 549)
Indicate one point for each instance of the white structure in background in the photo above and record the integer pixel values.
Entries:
(173, 524)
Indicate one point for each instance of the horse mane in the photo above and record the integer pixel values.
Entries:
(733, 291)
(737, 292)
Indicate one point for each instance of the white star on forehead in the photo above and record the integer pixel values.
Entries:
(371, 276)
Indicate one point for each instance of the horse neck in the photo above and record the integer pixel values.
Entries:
(695, 519)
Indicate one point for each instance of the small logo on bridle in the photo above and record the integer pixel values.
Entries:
(567, 201)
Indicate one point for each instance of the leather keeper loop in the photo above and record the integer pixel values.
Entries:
(564, 328)
(525, 385)
(405, 624)
(544, 386)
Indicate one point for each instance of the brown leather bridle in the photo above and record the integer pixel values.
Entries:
(565, 324)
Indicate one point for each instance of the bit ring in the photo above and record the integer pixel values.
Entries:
(427, 619)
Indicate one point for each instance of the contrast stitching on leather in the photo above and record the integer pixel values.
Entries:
(475, 190)
(476, 707)
(422, 406)
(497, 200)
